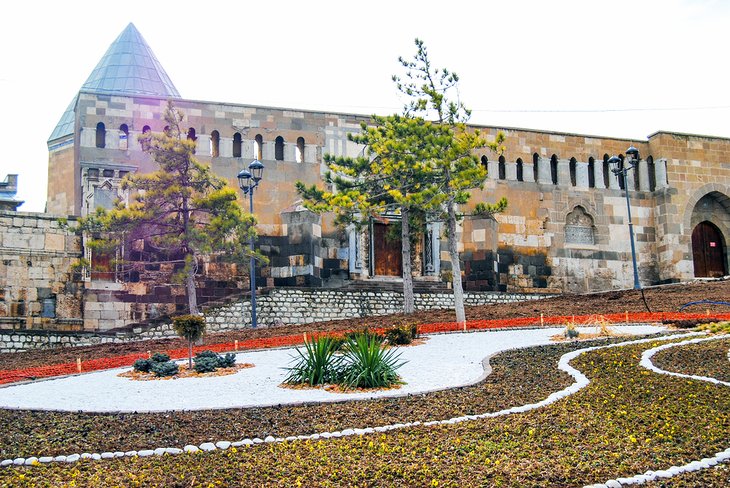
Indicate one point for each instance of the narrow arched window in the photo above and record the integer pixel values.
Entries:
(144, 142)
(485, 163)
(502, 168)
(573, 169)
(554, 169)
(606, 171)
(100, 135)
(146, 129)
(621, 182)
(236, 145)
(191, 135)
(652, 173)
(535, 166)
(123, 137)
(591, 172)
(279, 148)
(300, 150)
(215, 143)
(637, 185)
(258, 145)
(520, 169)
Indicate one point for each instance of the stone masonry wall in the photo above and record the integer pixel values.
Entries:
(279, 307)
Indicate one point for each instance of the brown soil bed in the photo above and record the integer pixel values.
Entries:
(659, 299)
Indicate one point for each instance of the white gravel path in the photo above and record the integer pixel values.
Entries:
(445, 360)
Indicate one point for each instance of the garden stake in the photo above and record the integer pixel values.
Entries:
(149, 354)
(305, 337)
(78, 364)
(542, 320)
(707, 312)
(465, 326)
(627, 317)
(235, 344)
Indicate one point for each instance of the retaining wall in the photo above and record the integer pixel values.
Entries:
(278, 307)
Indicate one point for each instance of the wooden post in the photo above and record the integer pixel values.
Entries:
(235, 345)
(707, 312)
(149, 354)
(626, 314)
(542, 320)
(78, 364)
(305, 337)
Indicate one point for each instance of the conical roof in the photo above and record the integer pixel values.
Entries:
(129, 67)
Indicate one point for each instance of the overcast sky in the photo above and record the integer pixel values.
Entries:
(610, 68)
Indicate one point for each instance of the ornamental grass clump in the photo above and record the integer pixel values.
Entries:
(571, 331)
(317, 363)
(367, 364)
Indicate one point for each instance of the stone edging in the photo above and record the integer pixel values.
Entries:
(704, 463)
(581, 381)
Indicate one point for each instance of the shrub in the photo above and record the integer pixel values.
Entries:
(160, 357)
(369, 364)
(206, 354)
(716, 327)
(205, 364)
(168, 368)
(190, 327)
(142, 365)
(366, 332)
(316, 364)
(401, 334)
(571, 331)
(227, 361)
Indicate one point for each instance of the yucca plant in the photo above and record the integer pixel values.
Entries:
(368, 364)
(316, 364)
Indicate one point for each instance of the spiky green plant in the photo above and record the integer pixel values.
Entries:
(369, 364)
(316, 364)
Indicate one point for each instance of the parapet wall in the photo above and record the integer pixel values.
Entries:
(279, 307)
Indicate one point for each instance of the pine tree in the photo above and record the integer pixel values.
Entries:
(182, 208)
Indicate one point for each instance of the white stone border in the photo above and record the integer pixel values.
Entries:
(581, 381)
(704, 463)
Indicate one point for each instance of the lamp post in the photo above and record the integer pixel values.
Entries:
(248, 180)
(619, 167)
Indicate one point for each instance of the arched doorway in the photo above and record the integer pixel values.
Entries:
(708, 251)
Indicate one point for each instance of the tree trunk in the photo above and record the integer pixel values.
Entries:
(190, 289)
(455, 264)
(190, 354)
(408, 300)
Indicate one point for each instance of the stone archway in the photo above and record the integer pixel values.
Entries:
(709, 225)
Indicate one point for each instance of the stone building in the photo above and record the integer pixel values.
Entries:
(565, 228)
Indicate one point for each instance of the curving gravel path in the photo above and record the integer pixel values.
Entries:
(444, 361)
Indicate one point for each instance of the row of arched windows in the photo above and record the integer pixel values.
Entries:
(215, 139)
(573, 164)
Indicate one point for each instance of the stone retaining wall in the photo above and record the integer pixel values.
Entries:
(278, 307)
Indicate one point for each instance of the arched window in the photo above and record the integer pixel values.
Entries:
(191, 135)
(554, 169)
(591, 172)
(215, 143)
(123, 137)
(502, 168)
(573, 170)
(535, 166)
(100, 135)
(236, 145)
(606, 171)
(652, 173)
(145, 132)
(520, 174)
(621, 182)
(637, 185)
(300, 150)
(146, 129)
(485, 163)
(279, 148)
(258, 145)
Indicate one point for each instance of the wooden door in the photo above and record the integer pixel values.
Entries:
(708, 251)
(387, 253)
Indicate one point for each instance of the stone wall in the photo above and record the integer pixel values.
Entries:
(37, 285)
(279, 307)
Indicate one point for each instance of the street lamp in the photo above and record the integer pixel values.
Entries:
(248, 180)
(620, 167)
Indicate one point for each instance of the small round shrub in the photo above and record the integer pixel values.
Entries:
(206, 354)
(142, 365)
(205, 364)
(167, 368)
(160, 357)
(399, 335)
(227, 361)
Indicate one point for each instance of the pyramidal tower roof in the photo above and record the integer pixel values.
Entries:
(129, 67)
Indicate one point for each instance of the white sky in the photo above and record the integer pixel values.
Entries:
(610, 68)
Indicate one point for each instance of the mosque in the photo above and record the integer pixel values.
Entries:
(565, 228)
